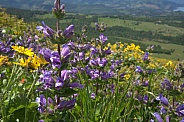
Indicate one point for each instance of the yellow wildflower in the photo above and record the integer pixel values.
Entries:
(109, 44)
(22, 62)
(127, 76)
(114, 47)
(3, 60)
(151, 65)
(32, 63)
(121, 45)
(23, 50)
(169, 63)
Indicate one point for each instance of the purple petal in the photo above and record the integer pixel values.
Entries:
(76, 85)
(158, 117)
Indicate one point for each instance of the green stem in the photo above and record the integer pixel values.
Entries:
(32, 85)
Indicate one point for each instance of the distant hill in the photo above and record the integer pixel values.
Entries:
(136, 7)
(178, 1)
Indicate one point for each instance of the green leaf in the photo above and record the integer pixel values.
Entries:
(32, 105)
(65, 92)
(12, 109)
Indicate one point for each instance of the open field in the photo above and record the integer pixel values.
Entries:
(143, 26)
(137, 26)
(178, 53)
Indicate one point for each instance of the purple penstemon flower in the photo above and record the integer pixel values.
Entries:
(48, 32)
(145, 57)
(162, 110)
(46, 79)
(93, 95)
(59, 83)
(65, 74)
(180, 110)
(76, 85)
(168, 118)
(65, 52)
(66, 104)
(163, 100)
(97, 26)
(43, 103)
(106, 75)
(138, 69)
(46, 54)
(55, 59)
(182, 86)
(57, 6)
(158, 117)
(79, 47)
(69, 31)
(94, 51)
(168, 84)
(103, 38)
(106, 52)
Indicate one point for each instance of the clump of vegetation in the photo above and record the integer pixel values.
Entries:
(59, 75)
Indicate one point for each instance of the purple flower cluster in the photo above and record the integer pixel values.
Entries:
(59, 36)
(49, 80)
(54, 58)
(50, 106)
(5, 48)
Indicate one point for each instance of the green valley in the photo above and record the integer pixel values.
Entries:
(166, 32)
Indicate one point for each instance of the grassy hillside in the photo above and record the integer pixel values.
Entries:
(144, 26)
(164, 32)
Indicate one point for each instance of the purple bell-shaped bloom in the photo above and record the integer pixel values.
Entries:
(70, 104)
(57, 4)
(163, 100)
(145, 57)
(43, 103)
(93, 95)
(93, 62)
(97, 26)
(103, 38)
(94, 51)
(106, 52)
(158, 117)
(65, 74)
(162, 110)
(182, 86)
(55, 60)
(59, 83)
(94, 74)
(68, 32)
(46, 54)
(145, 98)
(47, 31)
(180, 110)
(47, 80)
(106, 75)
(76, 85)
(62, 104)
(145, 83)
(81, 55)
(168, 84)
(138, 69)
(168, 118)
(65, 52)
(102, 62)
